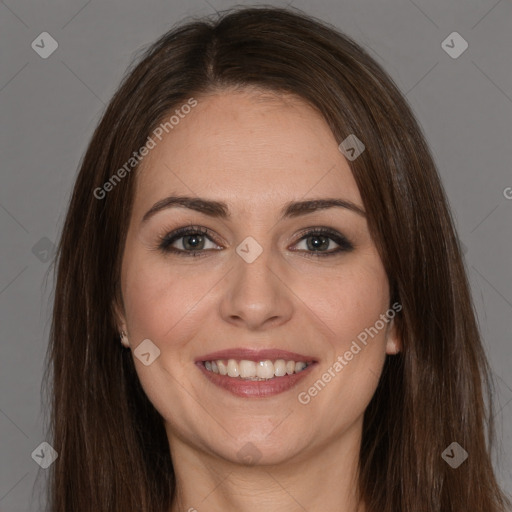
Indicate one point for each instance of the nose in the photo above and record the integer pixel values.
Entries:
(257, 296)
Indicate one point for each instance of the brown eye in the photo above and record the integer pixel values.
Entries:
(320, 241)
(188, 241)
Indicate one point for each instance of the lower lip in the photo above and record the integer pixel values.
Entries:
(255, 388)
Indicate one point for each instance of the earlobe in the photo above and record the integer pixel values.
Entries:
(124, 339)
(393, 344)
(393, 347)
(121, 324)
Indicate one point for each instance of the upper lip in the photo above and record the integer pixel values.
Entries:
(255, 355)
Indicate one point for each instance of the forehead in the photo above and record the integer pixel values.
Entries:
(249, 147)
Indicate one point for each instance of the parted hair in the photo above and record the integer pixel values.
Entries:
(113, 449)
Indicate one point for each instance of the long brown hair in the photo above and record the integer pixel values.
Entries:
(112, 446)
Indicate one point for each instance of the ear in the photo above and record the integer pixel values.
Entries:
(393, 341)
(120, 321)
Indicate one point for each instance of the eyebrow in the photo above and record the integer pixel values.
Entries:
(220, 210)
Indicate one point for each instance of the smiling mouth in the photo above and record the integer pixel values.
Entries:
(247, 370)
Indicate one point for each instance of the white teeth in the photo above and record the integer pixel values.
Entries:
(233, 368)
(280, 368)
(223, 369)
(247, 369)
(265, 369)
(299, 367)
(251, 370)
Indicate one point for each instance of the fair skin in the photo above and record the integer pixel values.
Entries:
(255, 154)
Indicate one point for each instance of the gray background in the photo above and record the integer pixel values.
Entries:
(49, 108)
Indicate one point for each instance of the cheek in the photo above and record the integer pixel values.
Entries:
(351, 307)
(347, 301)
(349, 374)
(160, 302)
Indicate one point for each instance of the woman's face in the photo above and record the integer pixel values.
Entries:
(254, 282)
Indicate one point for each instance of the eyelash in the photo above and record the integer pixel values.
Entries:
(168, 239)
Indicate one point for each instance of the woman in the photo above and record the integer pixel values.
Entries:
(260, 300)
